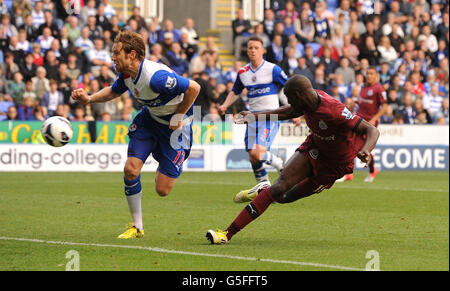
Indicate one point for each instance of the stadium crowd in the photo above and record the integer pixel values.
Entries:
(45, 53)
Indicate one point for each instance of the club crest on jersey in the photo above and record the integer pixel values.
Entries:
(323, 125)
(314, 153)
(254, 79)
(171, 83)
(136, 92)
(133, 127)
(370, 92)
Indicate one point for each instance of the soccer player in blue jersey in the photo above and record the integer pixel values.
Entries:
(262, 80)
(162, 128)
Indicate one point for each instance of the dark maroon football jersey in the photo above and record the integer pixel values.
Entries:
(333, 133)
(371, 98)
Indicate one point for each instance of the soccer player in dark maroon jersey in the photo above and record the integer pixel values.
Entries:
(372, 105)
(337, 137)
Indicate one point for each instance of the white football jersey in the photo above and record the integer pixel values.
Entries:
(262, 85)
(157, 87)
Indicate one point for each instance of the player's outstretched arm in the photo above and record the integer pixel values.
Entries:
(104, 95)
(282, 113)
(372, 134)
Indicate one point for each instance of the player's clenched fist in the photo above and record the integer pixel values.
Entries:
(81, 96)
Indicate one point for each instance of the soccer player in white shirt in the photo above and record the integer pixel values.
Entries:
(161, 128)
(262, 79)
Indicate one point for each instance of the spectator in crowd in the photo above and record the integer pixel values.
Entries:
(30, 30)
(26, 109)
(109, 10)
(158, 56)
(99, 57)
(12, 113)
(388, 116)
(27, 67)
(214, 71)
(79, 113)
(388, 54)
(319, 81)
(311, 59)
(242, 29)
(289, 63)
(177, 59)
(231, 74)
(41, 84)
(84, 41)
(369, 51)
(407, 110)
(16, 88)
(304, 27)
(346, 71)
(29, 91)
(45, 39)
(422, 115)
(5, 102)
(48, 22)
(269, 22)
(89, 9)
(303, 69)
(73, 28)
(52, 98)
(210, 47)
(6, 28)
(432, 102)
(275, 52)
(10, 67)
(189, 29)
(51, 65)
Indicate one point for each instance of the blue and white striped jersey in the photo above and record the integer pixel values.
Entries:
(157, 87)
(262, 85)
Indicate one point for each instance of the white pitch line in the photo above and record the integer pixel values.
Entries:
(159, 250)
(336, 186)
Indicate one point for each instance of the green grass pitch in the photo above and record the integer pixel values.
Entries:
(404, 216)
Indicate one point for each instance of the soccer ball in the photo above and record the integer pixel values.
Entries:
(57, 131)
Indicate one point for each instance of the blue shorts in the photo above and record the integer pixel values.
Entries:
(261, 133)
(170, 148)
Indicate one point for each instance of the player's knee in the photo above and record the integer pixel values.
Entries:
(130, 172)
(279, 188)
(162, 190)
(254, 157)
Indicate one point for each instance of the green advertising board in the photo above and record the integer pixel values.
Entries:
(107, 132)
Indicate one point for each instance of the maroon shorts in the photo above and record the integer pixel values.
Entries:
(324, 173)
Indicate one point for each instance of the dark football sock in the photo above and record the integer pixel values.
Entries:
(371, 164)
(251, 212)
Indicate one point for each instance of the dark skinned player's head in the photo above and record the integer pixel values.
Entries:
(300, 94)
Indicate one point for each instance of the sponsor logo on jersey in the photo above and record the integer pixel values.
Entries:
(260, 91)
(324, 138)
(171, 82)
(323, 125)
(370, 101)
(151, 103)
